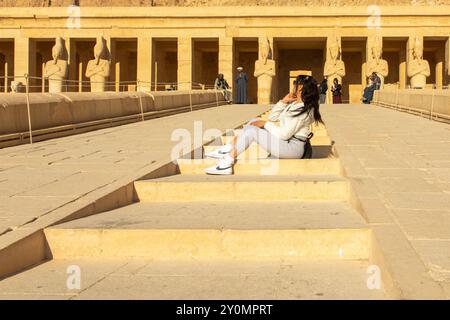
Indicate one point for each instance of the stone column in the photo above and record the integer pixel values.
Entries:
(369, 41)
(184, 63)
(226, 59)
(117, 76)
(72, 58)
(144, 63)
(23, 61)
(447, 59)
(439, 68)
(403, 79)
(111, 44)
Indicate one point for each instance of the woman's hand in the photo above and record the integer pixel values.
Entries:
(289, 98)
(258, 123)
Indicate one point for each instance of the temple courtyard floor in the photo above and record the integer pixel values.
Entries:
(111, 207)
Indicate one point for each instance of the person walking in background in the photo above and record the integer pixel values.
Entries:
(222, 84)
(336, 89)
(241, 86)
(323, 88)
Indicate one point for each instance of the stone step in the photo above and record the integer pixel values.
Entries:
(216, 230)
(243, 188)
(260, 166)
(255, 151)
(196, 280)
(315, 141)
(319, 131)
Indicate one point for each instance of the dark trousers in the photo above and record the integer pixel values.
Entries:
(337, 99)
(368, 94)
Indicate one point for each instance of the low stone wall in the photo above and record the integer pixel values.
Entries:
(69, 111)
(432, 103)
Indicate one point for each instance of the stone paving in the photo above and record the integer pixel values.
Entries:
(37, 179)
(399, 165)
(223, 280)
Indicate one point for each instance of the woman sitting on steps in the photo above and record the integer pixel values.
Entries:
(295, 112)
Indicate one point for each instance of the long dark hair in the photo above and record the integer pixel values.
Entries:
(310, 97)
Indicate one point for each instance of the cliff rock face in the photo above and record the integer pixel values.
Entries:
(203, 3)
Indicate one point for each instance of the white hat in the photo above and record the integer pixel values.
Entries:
(240, 68)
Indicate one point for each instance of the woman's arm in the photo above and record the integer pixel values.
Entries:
(276, 111)
(288, 130)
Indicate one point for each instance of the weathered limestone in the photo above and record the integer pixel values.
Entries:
(235, 3)
(447, 57)
(56, 69)
(330, 166)
(22, 61)
(226, 58)
(375, 62)
(265, 71)
(52, 111)
(98, 174)
(432, 103)
(184, 63)
(293, 28)
(98, 70)
(334, 66)
(144, 63)
(418, 68)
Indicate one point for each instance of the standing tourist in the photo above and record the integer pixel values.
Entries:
(336, 89)
(241, 86)
(222, 84)
(323, 88)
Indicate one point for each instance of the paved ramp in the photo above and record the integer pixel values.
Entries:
(282, 229)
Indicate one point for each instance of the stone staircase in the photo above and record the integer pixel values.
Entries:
(284, 229)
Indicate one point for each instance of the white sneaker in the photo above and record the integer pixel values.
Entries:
(223, 167)
(219, 153)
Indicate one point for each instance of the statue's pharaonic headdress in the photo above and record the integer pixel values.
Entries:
(57, 50)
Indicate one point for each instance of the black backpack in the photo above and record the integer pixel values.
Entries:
(308, 148)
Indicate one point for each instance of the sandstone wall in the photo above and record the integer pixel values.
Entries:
(197, 3)
(71, 108)
(425, 101)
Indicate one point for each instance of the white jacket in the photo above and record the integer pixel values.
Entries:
(290, 125)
